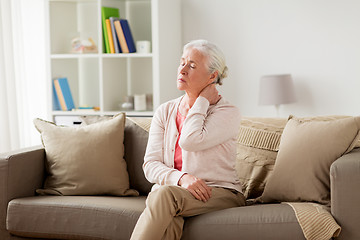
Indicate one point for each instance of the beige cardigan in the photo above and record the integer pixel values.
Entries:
(208, 142)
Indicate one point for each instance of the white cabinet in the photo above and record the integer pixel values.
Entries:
(104, 80)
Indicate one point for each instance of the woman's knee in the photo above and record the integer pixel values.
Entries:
(165, 192)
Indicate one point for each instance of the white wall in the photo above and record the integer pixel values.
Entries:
(317, 41)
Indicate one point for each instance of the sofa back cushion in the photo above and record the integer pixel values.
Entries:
(136, 138)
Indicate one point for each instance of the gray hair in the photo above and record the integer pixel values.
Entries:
(216, 59)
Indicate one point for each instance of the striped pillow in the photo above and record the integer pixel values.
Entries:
(257, 147)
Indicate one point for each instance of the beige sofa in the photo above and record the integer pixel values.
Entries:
(24, 214)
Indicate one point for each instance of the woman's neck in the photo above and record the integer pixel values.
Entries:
(186, 103)
(190, 99)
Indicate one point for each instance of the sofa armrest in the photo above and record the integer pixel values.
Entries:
(345, 194)
(21, 173)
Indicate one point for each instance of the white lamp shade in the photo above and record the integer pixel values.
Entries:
(276, 90)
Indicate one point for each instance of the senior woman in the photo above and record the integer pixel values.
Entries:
(191, 150)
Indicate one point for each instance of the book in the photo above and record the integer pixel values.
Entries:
(121, 36)
(55, 100)
(63, 94)
(128, 36)
(59, 95)
(115, 38)
(106, 13)
(65, 88)
(110, 37)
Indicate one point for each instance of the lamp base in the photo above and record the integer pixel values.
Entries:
(277, 107)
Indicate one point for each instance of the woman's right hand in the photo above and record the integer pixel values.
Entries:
(196, 186)
(211, 93)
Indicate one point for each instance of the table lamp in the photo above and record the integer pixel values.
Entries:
(276, 90)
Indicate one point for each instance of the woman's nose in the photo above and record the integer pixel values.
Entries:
(182, 69)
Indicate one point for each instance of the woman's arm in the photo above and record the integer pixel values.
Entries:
(155, 168)
(202, 130)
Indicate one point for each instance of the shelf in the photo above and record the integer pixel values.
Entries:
(74, 55)
(108, 113)
(127, 55)
(106, 80)
(104, 55)
(133, 113)
(84, 1)
(73, 1)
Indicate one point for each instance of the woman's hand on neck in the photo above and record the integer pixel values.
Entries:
(209, 92)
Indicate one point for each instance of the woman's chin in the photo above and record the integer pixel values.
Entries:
(180, 87)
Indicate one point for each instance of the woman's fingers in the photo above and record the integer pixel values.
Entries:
(210, 93)
(202, 194)
(200, 190)
(196, 186)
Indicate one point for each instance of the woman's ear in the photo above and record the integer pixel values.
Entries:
(214, 77)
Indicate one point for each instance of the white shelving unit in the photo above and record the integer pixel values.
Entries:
(100, 79)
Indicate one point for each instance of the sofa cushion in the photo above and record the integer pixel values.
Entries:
(74, 217)
(257, 147)
(106, 217)
(265, 222)
(86, 160)
(258, 144)
(136, 137)
(307, 150)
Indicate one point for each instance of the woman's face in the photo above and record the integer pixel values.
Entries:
(193, 74)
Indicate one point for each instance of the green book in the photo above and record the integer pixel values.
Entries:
(106, 13)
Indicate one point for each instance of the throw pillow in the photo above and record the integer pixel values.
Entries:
(135, 142)
(257, 147)
(87, 160)
(90, 119)
(307, 150)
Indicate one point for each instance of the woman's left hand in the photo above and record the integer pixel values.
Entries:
(196, 186)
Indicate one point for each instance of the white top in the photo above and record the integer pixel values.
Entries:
(208, 142)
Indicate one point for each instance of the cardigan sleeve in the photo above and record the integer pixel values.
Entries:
(204, 128)
(155, 168)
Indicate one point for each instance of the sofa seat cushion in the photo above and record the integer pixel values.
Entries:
(85, 217)
(74, 217)
(265, 222)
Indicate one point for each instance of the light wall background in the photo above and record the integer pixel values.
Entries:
(317, 41)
